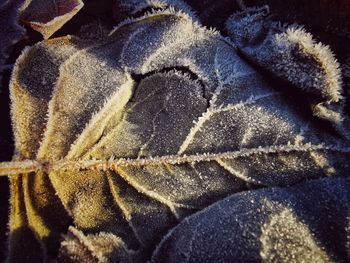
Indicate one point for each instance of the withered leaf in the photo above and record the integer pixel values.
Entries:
(47, 16)
(176, 119)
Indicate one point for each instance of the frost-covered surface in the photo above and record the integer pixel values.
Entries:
(291, 53)
(304, 223)
(132, 133)
(43, 16)
(288, 51)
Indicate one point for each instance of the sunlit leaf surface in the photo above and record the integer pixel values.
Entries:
(175, 120)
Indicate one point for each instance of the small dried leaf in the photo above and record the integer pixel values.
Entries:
(47, 16)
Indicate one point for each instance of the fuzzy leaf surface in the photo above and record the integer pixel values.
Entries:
(173, 96)
(269, 225)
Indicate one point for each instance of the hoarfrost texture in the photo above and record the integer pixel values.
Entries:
(291, 53)
(152, 143)
(43, 16)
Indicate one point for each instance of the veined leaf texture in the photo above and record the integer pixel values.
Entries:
(164, 141)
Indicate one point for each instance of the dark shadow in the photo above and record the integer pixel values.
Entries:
(26, 247)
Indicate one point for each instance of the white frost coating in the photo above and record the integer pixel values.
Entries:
(239, 174)
(174, 43)
(193, 132)
(270, 225)
(94, 129)
(291, 234)
(49, 127)
(172, 206)
(131, 8)
(27, 166)
(145, 145)
(129, 40)
(93, 247)
(329, 79)
(283, 51)
(214, 110)
(168, 11)
(126, 212)
(16, 128)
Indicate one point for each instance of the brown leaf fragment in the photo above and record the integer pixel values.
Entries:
(47, 17)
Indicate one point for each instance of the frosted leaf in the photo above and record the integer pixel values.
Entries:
(304, 223)
(47, 16)
(288, 52)
(174, 120)
(35, 74)
(291, 53)
(32, 83)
